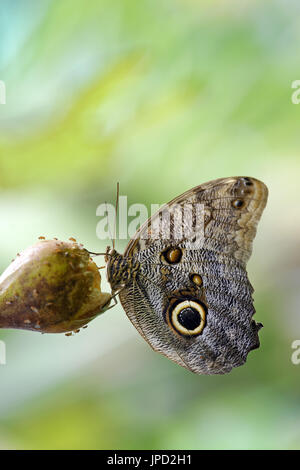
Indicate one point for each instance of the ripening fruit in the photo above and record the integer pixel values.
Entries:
(51, 287)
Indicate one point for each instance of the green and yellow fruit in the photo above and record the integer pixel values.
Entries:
(51, 287)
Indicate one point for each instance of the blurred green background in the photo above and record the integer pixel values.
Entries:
(160, 96)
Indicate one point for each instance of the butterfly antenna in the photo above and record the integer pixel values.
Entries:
(110, 235)
(116, 215)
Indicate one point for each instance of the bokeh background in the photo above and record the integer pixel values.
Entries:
(160, 96)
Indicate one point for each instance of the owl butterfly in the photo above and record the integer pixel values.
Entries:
(193, 302)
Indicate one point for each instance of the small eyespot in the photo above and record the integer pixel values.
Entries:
(238, 203)
(172, 255)
(196, 279)
(188, 318)
(247, 181)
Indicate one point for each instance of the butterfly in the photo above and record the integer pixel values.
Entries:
(182, 281)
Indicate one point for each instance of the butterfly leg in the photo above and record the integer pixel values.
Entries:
(114, 298)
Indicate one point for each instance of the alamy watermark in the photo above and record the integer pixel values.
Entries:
(296, 94)
(295, 358)
(2, 92)
(176, 222)
(2, 353)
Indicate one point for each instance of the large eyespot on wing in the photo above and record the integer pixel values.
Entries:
(202, 338)
(187, 317)
(231, 208)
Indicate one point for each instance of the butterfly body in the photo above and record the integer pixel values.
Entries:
(188, 293)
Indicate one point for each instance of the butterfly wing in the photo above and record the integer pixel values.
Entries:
(234, 228)
(191, 298)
